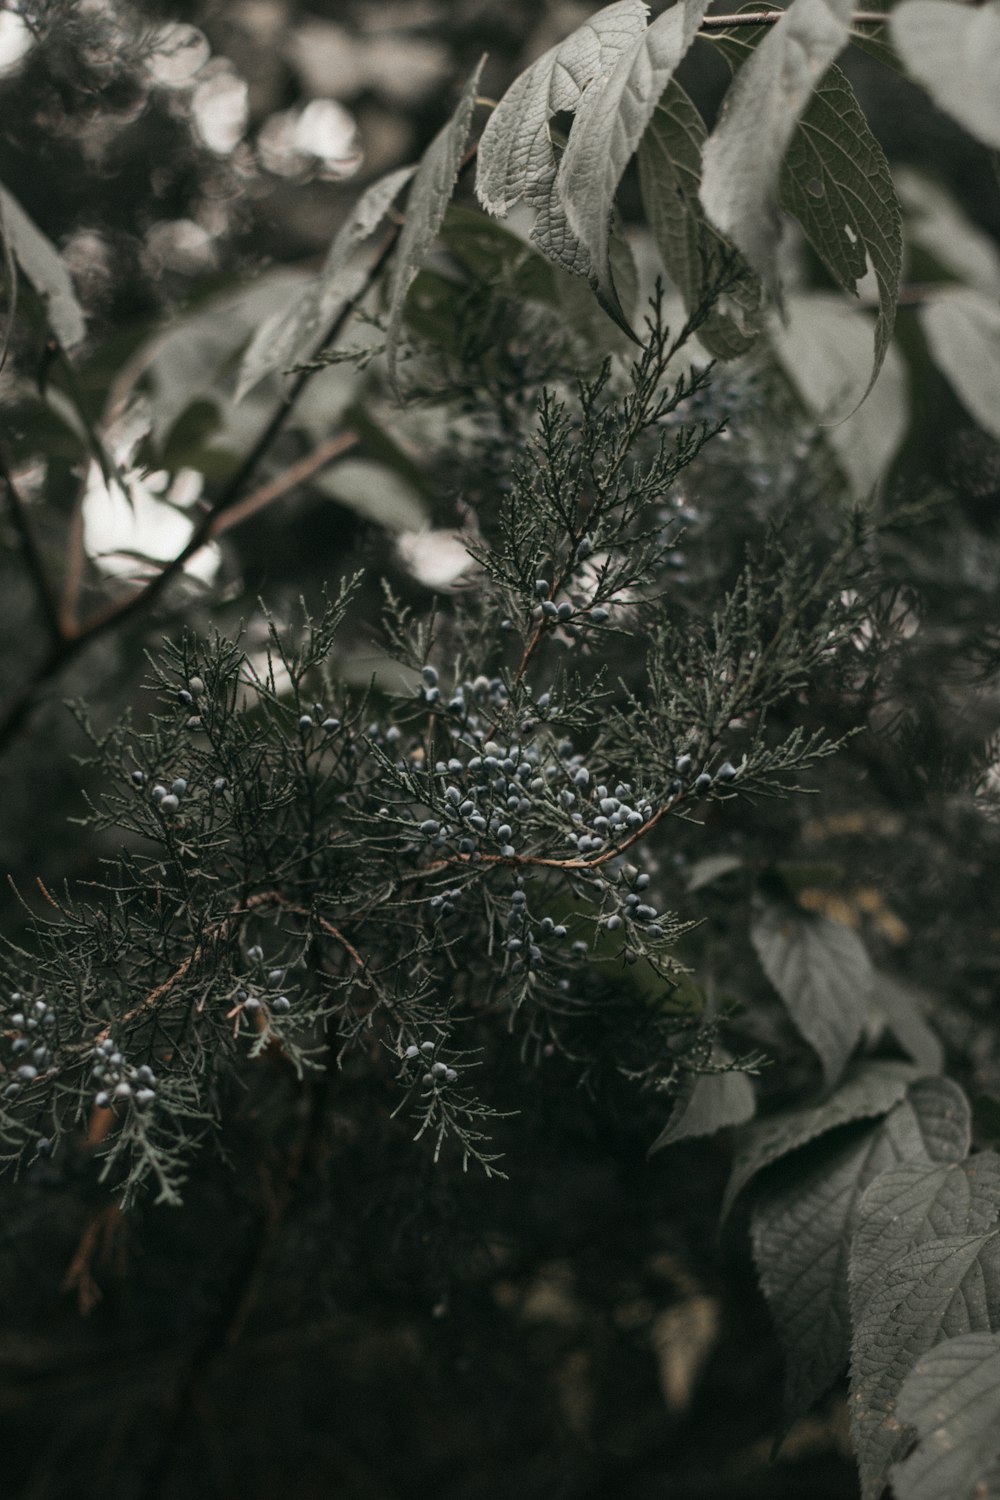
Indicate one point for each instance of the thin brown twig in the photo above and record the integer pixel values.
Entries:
(770, 17)
(297, 473)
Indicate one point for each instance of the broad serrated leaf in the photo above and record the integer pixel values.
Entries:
(823, 974)
(710, 1103)
(607, 129)
(866, 1090)
(515, 156)
(44, 267)
(836, 181)
(952, 1398)
(954, 51)
(692, 250)
(912, 1204)
(426, 205)
(292, 334)
(823, 346)
(802, 1227)
(962, 328)
(939, 1290)
(742, 160)
(903, 1007)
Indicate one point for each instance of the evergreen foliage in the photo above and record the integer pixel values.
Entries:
(387, 889)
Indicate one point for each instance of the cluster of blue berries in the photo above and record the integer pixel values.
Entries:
(30, 1052)
(168, 800)
(121, 1083)
(437, 1073)
(525, 937)
(566, 611)
(246, 1000)
(319, 718)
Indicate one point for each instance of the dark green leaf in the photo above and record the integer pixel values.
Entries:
(836, 181)
(375, 492)
(903, 1007)
(692, 250)
(822, 972)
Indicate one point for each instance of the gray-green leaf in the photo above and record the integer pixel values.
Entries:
(692, 250)
(742, 161)
(952, 1398)
(867, 1089)
(516, 158)
(954, 51)
(292, 334)
(802, 1228)
(609, 124)
(710, 1103)
(426, 205)
(939, 1290)
(45, 269)
(962, 327)
(822, 972)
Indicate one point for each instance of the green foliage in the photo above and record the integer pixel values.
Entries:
(530, 829)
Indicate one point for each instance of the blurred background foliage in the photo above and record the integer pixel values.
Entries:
(580, 1330)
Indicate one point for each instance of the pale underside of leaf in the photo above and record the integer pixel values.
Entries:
(939, 1290)
(426, 205)
(609, 124)
(743, 157)
(823, 974)
(45, 269)
(962, 328)
(952, 1398)
(692, 250)
(954, 51)
(515, 157)
(866, 1090)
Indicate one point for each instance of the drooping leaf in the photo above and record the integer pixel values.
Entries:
(952, 1398)
(962, 327)
(823, 974)
(903, 1007)
(291, 334)
(802, 1228)
(428, 200)
(44, 267)
(939, 1290)
(936, 223)
(713, 867)
(867, 1089)
(954, 51)
(516, 158)
(375, 492)
(711, 1102)
(609, 124)
(823, 346)
(742, 160)
(692, 250)
(836, 181)
(10, 286)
